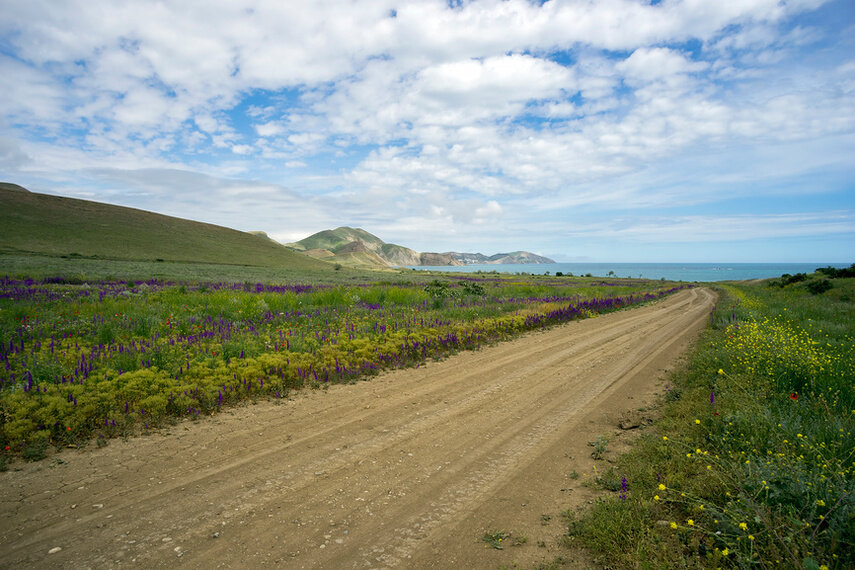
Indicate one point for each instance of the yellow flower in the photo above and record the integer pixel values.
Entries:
(725, 552)
(655, 497)
(664, 438)
(662, 486)
(697, 421)
(750, 537)
(820, 503)
(720, 371)
(743, 526)
(690, 522)
(673, 525)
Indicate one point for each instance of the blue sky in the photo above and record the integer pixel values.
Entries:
(614, 130)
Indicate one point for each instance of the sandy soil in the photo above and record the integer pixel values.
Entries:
(408, 470)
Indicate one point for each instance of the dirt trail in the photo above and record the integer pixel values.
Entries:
(408, 470)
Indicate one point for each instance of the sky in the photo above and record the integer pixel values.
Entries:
(613, 130)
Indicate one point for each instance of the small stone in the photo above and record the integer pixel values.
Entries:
(98, 506)
(166, 539)
(215, 535)
(54, 550)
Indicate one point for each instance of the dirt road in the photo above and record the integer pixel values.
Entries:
(408, 470)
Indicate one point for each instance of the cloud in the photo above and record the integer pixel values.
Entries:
(11, 155)
(694, 229)
(269, 129)
(490, 113)
(657, 64)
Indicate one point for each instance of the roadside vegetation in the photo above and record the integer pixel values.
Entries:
(84, 359)
(753, 463)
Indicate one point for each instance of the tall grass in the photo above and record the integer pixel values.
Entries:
(754, 461)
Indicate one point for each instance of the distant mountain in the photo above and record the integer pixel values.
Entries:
(55, 226)
(512, 258)
(358, 248)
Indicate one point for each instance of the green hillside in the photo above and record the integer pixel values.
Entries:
(333, 240)
(44, 225)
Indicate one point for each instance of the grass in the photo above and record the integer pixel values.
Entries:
(752, 465)
(86, 270)
(53, 226)
(82, 358)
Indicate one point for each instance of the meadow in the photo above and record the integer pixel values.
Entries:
(752, 465)
(85, 359)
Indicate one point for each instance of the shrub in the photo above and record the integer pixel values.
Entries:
(820, 286)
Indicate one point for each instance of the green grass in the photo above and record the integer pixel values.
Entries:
(81, 270)
(83, 357)
(40, 224)
(752, 464)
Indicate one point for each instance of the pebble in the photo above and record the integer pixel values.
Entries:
(54, 550)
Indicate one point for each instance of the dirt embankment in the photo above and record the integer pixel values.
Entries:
(408, 470)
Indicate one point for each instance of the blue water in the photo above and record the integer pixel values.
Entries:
(669, 271)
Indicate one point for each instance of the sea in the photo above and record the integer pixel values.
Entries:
(702, 272)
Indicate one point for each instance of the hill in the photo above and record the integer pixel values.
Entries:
(512, 258)
(358, 248)
(41, 224)
(355, 247)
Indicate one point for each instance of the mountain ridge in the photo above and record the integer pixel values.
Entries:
(338, 246)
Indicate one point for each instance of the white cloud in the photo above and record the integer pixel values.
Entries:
(241, 149)
(269, 129)
(457, 117)
(657, 64)
(693, 229)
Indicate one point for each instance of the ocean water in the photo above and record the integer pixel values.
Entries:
(669, 271)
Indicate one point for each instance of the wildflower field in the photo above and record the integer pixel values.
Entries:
(99, 358)
(753, 464)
